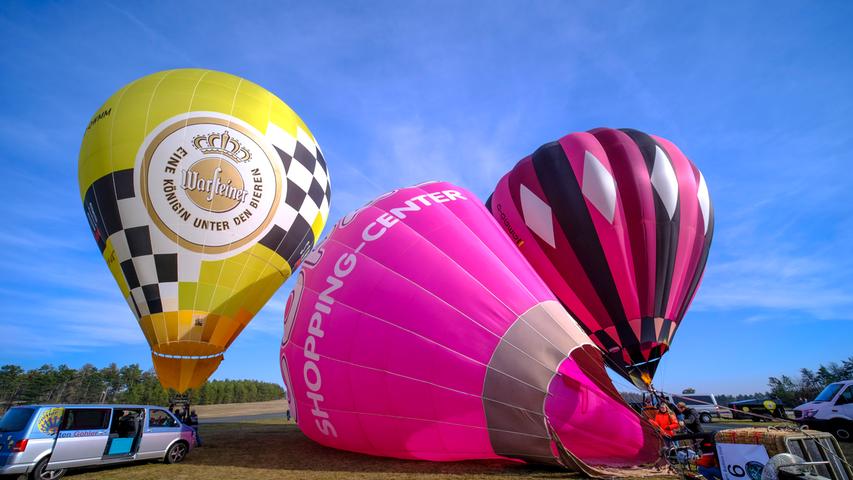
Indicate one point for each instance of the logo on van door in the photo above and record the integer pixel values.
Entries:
(49, 421)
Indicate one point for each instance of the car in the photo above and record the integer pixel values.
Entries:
(831, 411)
(704, 404)
(44, 441)
(756, 409)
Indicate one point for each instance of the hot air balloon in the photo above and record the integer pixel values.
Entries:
(203, 192)
(618, 223)
(417, 330)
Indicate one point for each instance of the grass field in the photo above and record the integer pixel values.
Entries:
(274, 449)
(270, 448)
(240, 409)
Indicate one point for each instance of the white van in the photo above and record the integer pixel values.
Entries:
(831, 411)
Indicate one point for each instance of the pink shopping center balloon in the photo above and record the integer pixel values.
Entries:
(418, 330)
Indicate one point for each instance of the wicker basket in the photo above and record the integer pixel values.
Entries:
(772, 439)
(810, 445)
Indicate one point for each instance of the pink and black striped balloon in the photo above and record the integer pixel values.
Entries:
(619, 224)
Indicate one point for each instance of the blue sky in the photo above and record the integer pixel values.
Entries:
(758, 95)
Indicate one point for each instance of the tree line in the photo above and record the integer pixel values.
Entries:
(114, 384)
(794, 391)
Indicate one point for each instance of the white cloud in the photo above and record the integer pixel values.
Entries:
(411, 152)
(68, 324)
(767, 256)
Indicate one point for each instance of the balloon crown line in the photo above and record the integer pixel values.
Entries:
(222, 144)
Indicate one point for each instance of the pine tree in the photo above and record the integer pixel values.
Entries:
(111, 378)
(11, 380)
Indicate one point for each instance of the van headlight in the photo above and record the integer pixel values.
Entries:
(809, 413)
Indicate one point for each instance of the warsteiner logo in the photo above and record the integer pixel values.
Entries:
(210, 182)
(214, 184)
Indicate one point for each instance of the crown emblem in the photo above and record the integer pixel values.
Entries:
(222, 144)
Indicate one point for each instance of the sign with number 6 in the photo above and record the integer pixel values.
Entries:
(741, 462)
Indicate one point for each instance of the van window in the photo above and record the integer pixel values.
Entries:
(829, 392)
(846, 397)
(16, 419)
(695, 400)
(160, 418)
(86, 419)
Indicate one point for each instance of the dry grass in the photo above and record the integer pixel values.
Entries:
(274, 449)
(240, 409)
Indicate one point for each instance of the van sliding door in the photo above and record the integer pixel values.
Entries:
(82, 438)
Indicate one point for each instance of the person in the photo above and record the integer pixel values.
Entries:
(127, 424)
(665, 420)
(649, 410)
(707, 464)
(690, 419)
(288, 414)
(192, 421)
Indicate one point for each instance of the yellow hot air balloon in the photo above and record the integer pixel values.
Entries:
(203, 191)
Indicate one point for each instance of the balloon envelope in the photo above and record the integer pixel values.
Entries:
(619, 224)
(203, 192)
(417, 330)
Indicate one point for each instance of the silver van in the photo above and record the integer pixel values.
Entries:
(705, 405)
(44, 441)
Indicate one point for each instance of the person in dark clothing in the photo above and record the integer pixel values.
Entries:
(691, 420)
(192, 421)
(127, 425)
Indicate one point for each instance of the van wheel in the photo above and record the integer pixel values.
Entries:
(842, 431)
(40, 472)
(176, 453)
(705, 418)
